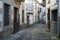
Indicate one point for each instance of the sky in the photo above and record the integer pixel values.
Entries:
(40, 1)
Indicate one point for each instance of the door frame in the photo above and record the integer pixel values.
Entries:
(55, 21)
(48, 15)
(16, 20)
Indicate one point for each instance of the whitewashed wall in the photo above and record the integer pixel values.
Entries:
(20, 12)
(31, 19)
(52, 2)
(1, 15)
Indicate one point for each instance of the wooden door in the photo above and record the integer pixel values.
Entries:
(49, 19)
(55, 20)
(16, 21)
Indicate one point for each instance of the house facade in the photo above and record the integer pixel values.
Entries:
(30, 13)
(9, 17)
(16, 15)
(52, 16)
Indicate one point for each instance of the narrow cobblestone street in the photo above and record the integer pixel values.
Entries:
(29, 19)
(36, 32)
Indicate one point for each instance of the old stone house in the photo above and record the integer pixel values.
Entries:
(16, 15)
(9, 17)
(29, 13)
(52, 19)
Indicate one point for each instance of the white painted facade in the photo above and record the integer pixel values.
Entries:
(52, 5)
(22, 7)
(36, 9)
(31, 19)
(29, 7)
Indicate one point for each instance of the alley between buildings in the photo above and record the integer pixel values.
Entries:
(29, 19)
(37, 32)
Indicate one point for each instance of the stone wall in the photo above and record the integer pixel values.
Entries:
(7, 30)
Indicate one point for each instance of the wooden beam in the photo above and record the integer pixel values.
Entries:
(40, 3)
(19, 0)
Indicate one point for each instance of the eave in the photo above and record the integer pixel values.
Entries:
(19, 1)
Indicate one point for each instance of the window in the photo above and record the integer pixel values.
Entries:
(54, 15)
(6, 14)
(40, 9)
(22, 15)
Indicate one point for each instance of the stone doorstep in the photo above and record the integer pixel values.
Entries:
(53, 37)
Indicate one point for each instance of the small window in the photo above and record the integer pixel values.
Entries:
(40, 9)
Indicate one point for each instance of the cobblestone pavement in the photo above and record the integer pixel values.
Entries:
(36, 32)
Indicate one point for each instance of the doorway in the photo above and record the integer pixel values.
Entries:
(16, 20)
(54, 19)
(49, 19)
(38, 16)
(27, 21)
